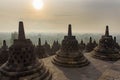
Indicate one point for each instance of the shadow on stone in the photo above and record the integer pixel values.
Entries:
(85, 73)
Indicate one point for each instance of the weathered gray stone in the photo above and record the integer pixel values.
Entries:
(106, 50)
(69, 55)
(22, 62)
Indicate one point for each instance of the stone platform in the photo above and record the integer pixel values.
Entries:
(94, 71)
(113, 73)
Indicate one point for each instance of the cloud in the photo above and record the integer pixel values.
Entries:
(56, 14)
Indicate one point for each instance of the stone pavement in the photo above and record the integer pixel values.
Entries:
(94, 71)
(113, 73)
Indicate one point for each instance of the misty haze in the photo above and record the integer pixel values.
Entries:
(59, 40)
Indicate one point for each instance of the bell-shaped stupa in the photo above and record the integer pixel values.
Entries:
(69, 54)
(55, 47)
(47, 48)
(22, 63)
(4, 52)
(40, 51)
(90, 45)
(106, 48)
(82, 46)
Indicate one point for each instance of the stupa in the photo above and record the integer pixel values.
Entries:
(106, 48)
(55, 47)
(95, 43)
(47, 48)
(22, 63)
(69, 54)
(117, 46)
(4, 52)
(90, 45)
(82, 46)
(40, 51)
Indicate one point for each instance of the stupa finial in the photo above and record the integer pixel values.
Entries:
(21, 33)
(69, 30)
(107, 31)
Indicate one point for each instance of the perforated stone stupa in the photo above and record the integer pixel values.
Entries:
(40, 51)
(22, 63)
(82, 46)
(90, 45)
(117, 46)
(69, 54)
(47, 48)
(4, 52)
(106, 48)
(55, 47)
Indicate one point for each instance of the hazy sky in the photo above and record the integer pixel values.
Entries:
(84, 15)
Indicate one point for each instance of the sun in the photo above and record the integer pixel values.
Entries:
(38, 4)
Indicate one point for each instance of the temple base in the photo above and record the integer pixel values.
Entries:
(105, 56)
(70, 62)
(32, 73)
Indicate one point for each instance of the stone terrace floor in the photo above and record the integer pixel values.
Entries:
(96, 70)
